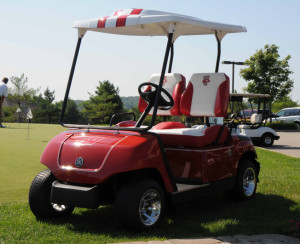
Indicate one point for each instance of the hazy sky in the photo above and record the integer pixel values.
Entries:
(37, 39)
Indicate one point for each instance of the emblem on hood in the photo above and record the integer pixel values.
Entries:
(79, 162)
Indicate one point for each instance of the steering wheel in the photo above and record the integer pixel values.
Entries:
(149, 96)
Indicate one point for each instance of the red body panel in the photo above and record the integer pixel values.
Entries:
(107, 153)
(208, 163)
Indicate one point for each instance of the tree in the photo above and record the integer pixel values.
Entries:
(49, 106)
(45, 111)
(20, 92)
(267, 74)
(72, 114)
(285, 103)
(103, 104)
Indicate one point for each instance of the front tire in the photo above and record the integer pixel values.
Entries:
(140, 204)
(267, 140)
(246, 181)
(39, 198)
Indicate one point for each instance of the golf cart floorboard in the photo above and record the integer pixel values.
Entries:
(187, 192)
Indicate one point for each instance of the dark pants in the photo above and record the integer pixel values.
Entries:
(1, 103)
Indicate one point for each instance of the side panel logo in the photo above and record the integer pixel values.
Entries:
(205, 80)
(79, 162)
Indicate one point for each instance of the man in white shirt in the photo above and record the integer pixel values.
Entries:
(3, 95)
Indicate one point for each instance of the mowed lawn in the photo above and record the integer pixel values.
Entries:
(276, 204)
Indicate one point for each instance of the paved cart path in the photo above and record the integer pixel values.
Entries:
(289, 144)
(238, 239)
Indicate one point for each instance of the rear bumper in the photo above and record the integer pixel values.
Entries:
(73, 195)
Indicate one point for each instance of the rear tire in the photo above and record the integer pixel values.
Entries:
(140, 204)
(39, 198)
(267, 140)
(246, 181)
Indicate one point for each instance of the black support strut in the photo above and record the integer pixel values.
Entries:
(70, 82)
(162, 75)
(219, 53)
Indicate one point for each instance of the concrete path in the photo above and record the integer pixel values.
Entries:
(289, 144)
(238, 239)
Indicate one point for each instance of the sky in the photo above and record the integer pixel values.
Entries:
(37, 39)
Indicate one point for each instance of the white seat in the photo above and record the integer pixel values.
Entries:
(255, 119)
(174, 84)
(207, 95)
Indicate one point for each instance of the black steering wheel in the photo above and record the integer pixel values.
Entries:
(149, 96)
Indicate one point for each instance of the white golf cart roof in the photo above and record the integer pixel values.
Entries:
(142, 22)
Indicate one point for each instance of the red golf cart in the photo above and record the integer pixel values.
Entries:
(140, 167)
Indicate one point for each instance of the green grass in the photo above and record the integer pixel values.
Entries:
(277, 201)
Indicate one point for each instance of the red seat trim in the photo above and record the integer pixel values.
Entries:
(168, 125)
(179, 89)
(186, 100)
(222, 99)
(126, 123)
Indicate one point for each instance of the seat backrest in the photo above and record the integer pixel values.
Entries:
(207, 94)
(256, 118)
(173, 83)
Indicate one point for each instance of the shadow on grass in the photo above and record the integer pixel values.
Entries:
(214, 216)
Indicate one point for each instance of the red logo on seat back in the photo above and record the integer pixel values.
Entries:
(165, 81)
(205, 80)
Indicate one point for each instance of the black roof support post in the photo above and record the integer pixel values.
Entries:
(162, 75)
(70, 82)
(219, 53)
(171, 58)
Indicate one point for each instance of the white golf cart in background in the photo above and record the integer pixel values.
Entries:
(255, 126)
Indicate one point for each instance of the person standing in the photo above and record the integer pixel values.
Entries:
(3, 95)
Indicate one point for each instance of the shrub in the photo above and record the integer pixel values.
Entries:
(282, 126)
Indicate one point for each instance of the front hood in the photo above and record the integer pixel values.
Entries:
(87, 151)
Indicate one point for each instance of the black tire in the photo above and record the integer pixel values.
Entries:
(39, 198)
(136, 201)
(267, 140)
(246, 181)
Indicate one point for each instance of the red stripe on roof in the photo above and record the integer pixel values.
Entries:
(117, 12)
(121, 21)
(136, 11)
(101, 22)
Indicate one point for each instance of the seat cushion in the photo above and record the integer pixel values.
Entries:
(126, 123)
(192, 137)
(168, 125)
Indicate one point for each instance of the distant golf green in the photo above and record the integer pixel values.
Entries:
(20, 157)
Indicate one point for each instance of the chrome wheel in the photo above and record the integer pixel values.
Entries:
(268, 140)
(59, 208)
(249, 182)
(150, 207)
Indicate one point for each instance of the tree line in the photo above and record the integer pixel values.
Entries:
(97, 110)
(265, 73)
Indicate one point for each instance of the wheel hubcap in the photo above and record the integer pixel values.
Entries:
(150, 207)
(249, 182)
(59, 208)
(268, 140)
